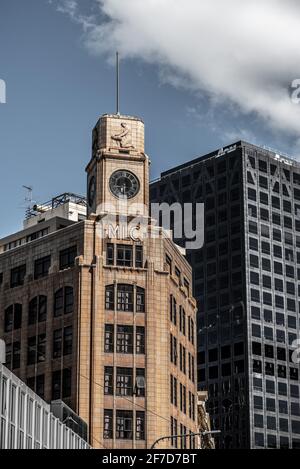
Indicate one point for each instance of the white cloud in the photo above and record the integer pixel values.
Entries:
(242, 52)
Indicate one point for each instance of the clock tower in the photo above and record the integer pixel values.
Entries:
(118, 173)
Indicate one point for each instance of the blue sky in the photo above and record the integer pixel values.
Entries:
(60, 80)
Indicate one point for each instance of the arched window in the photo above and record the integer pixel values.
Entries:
(37, 311)
(63, 301)
(13, 318)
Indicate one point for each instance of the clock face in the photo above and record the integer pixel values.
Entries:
(124, 184)
(92, 191)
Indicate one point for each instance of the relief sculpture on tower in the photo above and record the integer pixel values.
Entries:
(123, 138)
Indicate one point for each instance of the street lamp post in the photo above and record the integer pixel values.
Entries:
(187, 435)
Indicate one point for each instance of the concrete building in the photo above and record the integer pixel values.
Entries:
(246, 282)
(104, 322)
(27, 422)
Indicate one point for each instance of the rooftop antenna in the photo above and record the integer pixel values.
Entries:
(118, 82)
(28, 198)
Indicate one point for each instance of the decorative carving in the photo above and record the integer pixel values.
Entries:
(123, 139)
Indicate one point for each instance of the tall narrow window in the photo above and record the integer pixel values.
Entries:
(41, 267)
(109, 338)
(125, 297)
(139, 257)
(108, 380)
(37, 311)
(110, 254)
(140, 340)
(140, 300)
(63, 301)
(124, 381)
(13, 356)
(13, 318)
(110, 297)
(125, 339)
(108, 424)
(140, 386)
(61, 384)
(124, 425)
(57, 343)
(140, 425)
(36, 352)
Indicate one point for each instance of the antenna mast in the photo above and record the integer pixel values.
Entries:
(118, 81)
(28, 199)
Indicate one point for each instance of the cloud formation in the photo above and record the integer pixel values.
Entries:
(242, 53)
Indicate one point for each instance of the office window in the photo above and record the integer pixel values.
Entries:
(125, 339)
(140, 385)
(258, 420)
(253, 244)
(259, 440)
(108, 424)
(124, 255)
(124, 425)
(258, 403)
(254, 278)
(37, 310)
(252, 194)
(140, 425)
(139, 263)
(57, 343)
(108, 380)
(173, 390)
(37, 384)
(13, 356)
(254, 262)
(110, 297)
(255, 312)
(109, 338)
(13, 318)
(62, 342)
(266, 264)
(140, 340)
(140, 300)
(17, 276)
(173, 350)
(125, 297)
(295, 409)
(182, 359)
(182, 320)
(61, 384)
(110, 254)
(183, 398)
(63, 301)
(124, 381)
(67, 258)
(41, 267)
(36, 351)
(264, 198)
(271, 423)
(257, 366)
(68, 340)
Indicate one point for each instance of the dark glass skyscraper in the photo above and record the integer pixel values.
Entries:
(246, 280)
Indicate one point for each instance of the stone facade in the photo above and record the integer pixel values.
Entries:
(129, 317)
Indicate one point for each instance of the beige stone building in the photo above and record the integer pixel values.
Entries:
(102, 320)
